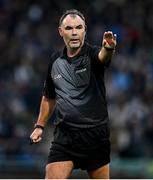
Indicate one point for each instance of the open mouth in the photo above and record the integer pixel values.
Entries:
(74, 40)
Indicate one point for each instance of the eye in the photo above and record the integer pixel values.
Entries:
(68, 28)
(79, 27)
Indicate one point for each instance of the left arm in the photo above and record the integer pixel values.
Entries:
(108, 46)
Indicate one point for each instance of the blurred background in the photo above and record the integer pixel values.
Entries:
(28, 36)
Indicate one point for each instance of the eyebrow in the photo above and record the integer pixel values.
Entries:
(80, 26)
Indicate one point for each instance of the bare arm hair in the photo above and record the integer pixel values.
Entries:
(105, 55)
(47, 107)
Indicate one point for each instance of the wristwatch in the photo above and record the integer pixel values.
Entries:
(38, 126)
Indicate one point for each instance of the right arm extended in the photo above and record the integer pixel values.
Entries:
(46, 109)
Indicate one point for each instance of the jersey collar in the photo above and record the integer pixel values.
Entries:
(82, 52)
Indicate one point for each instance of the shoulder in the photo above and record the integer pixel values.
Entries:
(53, 57)
(92, 46)
(92, 49)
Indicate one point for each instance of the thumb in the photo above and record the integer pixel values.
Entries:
(37, 140)
(36, 135)
(104, 42)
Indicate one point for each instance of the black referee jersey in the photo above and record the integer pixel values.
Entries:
(77, 84)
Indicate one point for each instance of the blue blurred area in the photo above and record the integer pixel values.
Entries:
(28, 36)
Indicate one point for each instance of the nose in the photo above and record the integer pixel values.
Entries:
(74, 32)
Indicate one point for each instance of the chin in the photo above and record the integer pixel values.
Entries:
(75, 46)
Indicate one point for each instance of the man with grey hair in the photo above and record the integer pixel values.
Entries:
(74, 88)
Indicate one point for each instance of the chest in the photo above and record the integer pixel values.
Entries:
(71, 75)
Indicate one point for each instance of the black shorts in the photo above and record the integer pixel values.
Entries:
(89, 148)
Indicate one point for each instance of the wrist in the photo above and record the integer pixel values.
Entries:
(109, 48)
(38, 126)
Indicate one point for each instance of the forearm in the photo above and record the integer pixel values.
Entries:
(46, 109)
(105, 55)
(108, 46)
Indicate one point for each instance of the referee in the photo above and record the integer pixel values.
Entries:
(74, 88)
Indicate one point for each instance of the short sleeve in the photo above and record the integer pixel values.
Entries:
(95, 60)
(49, 88)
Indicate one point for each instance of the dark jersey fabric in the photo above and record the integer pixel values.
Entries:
(77, 84)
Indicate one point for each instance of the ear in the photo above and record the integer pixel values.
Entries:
(85, 32)
(85, 28)
(60, 31)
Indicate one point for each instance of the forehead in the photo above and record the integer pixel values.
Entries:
(72, 20)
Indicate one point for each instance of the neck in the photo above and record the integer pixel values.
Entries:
(73, 52)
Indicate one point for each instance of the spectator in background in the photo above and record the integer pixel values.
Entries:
(26, 41)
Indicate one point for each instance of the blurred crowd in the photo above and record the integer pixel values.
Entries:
(28, 36)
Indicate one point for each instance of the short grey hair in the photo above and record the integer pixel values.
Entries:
(72, 12)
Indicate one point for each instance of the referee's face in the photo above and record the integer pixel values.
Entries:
(73, 32)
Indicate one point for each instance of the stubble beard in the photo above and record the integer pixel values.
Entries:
(76, 46)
